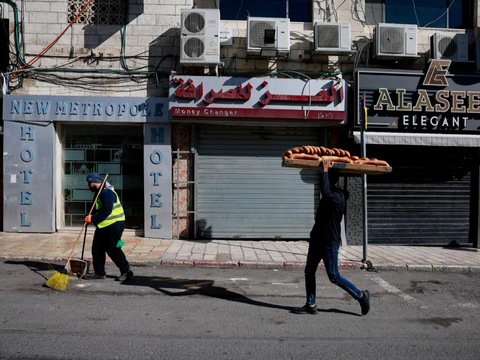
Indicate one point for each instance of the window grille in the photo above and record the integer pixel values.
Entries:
(99, 12)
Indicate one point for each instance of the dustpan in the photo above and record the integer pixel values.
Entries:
(80, 267)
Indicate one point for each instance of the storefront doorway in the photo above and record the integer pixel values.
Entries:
(116, 150)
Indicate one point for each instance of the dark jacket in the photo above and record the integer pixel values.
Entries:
(328, 218)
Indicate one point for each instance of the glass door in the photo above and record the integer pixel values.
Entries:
(116, 150)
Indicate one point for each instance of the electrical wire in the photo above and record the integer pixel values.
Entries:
(53, 42)
(17, 54)
(336, 10)
(4, 84)
(163, 58)
(358, 55)
(123, 61)
(431, 22)
(354, 12)
(26, 68)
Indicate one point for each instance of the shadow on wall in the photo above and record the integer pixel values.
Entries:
(163, 58)
(203, 231)
(107, 19)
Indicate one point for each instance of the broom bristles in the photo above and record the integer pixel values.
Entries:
(58, 281)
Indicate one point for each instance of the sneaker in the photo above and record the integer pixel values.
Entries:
(365, 302)
(306, 309)
(124, 277)
(94, 276)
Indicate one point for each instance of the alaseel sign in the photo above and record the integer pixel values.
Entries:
(425, 102)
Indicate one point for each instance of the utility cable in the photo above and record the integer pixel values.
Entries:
(52, 43)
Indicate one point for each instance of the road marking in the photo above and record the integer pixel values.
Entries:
(238, 279)
(391, 289)
(285, 284)
(467, 305)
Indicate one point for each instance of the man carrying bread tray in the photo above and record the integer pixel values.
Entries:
(325, 241)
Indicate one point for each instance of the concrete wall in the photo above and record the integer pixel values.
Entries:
(152, 35)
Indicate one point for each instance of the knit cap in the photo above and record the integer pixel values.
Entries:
(94, 178)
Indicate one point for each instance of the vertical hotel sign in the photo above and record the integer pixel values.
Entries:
(158, 181)
(27, 178)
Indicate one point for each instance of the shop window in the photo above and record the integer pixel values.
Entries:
(114, 150)
(295, 10)
(450, 14)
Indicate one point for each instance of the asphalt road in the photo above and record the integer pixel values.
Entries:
(211, 313)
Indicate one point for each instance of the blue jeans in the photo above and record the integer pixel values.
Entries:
(329, 254)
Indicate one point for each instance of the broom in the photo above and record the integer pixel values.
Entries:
(59, 280)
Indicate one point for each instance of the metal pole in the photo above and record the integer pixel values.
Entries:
(365, 215)
(364, 181)
(177, 182)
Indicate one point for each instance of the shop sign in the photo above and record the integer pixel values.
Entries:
(78, 108)
(411, 101)
(225, 97)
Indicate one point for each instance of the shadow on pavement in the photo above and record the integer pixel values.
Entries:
(185, 287)
(336, 311)
(37, 266)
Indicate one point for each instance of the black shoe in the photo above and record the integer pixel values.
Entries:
(365, 302)
(306, 309)
(124, 277)
(94, 276)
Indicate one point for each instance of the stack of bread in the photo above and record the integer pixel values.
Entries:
(319, 153)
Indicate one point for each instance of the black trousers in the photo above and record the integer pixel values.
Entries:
(105, 242)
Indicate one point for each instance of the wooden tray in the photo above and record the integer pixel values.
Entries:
(342, 167)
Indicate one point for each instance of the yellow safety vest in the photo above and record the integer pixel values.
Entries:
(117, 213)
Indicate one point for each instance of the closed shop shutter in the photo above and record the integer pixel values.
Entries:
(243, 192)
(426, 198)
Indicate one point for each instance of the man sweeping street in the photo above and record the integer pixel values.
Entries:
(325, 241)
(109, 219)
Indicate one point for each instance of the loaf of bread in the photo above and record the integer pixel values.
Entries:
(309, 152)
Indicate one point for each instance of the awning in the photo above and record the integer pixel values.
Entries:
(415, 139)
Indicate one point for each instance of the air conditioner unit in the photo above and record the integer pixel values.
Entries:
(449, 46)
(268, 36)
(332, 38)
(200, 36)
(395, 40)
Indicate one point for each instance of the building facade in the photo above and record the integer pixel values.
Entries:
(188, 105)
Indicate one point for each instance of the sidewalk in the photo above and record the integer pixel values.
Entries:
(234, 253)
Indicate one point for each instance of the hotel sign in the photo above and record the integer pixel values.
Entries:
(84, 108)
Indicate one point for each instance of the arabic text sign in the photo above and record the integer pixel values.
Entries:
(197, 96)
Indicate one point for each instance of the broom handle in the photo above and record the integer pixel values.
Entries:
(89, 213)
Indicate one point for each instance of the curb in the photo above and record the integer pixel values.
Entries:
(459, 269)
(344, 265)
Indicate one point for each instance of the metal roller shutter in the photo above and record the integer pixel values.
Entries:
(426, 198)
(242, 189)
